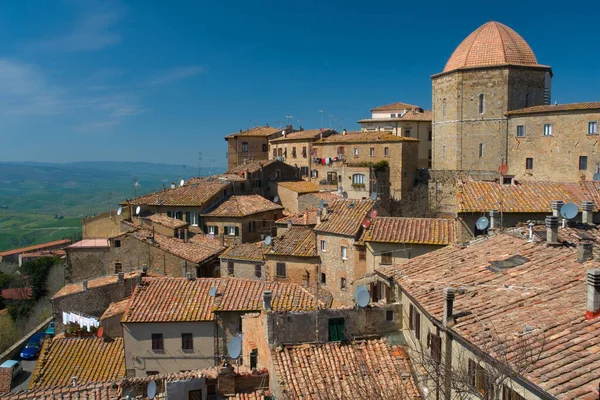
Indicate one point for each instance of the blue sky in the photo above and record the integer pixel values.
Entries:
(152, 80)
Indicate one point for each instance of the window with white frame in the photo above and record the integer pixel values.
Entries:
(593, 128)
(195, 218)
(547, 129)
(358, 179)
(344, 251)
(356, 152)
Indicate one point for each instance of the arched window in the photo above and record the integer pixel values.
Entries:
(245, 147)
(444, 108)
(481, 103)
(358, 179)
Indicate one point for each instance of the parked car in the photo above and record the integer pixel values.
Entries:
(32, 349)
(50, 330)
(14, 365)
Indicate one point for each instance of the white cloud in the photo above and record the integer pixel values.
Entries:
(174, 74)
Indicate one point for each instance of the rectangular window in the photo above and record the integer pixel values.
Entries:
(170, 214)
(187, 341)
(529, 163)
(281, 270)
(411, 312)
(279, 152)
(593, 128)
(520, 130)
(332, 178)
(315, 173)
(435, 343)
(230, 267)
(337, 329)
(340, 151)
(430, 135)
(358, 179)
(277, 174)
(344, 251)
(244, 147)
(293, 152)
(323, 246)
(547, 129)
(417, 324)
(274, 152)
(510, 394)
(582, 163)
(343, 283)
(212, 230)
(188, 217)
(323, 278)
(150, 373)
(253, 358)
(392, 115)
(303, 171)
(118, 267)
(386, 151)
(372, 152)
(264, 147)
(258, 270)
(386, 258)
(157, 341)
(407, 132)
(251, 226)
(356, 152)
(179, 215)
(480, 149)
(196, 216)
(362, 254)
(304, 152)
(484, 383)
(389, 315)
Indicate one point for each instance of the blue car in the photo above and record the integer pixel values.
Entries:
(32, 349)
(50, 330)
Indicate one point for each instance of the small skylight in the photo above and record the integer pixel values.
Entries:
(508, 263)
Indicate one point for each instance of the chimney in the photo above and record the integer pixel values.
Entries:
(344, 132)
(531, 225)
(593, 293)
(84, 285)
(185, 235)
(226, 380)
(494, 219)
(318, 216)
(587, 217)
(184, 270)
(173, 185)
(120, 277)
(448, 305)
(267, 297)
(188, 276)
(552, 229)
(556, 206)
(585, 252)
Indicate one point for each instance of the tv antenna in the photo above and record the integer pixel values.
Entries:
(288, 117)
(321, 112)
(362, 296)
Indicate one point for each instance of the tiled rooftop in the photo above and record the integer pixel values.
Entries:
(545, 296)
(364, 137)
(89, 391)
(90, 359)
(214, 178)
(182, 300)
(300, 187)
(297, 241)
(399, 106)
(89, 243)
(164, 220)
(252, 166)
(358, 370)
(525, 197)
(304, 135)
(344, 217)
(246, 251)
(557, 108)
(192, 195)
(241, 206)
(93, 283)
(304, 218)
(116, 308)
(489, 45)
(64, 242)
(257, 131)
(16, 293)
(434, 231)
(424, 115)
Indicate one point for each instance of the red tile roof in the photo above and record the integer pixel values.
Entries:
(258, 131)
(492, 44)
(304, 218)
(116, 308)
(36, 247)
(546, 295)
(434, 231)
(90, 391)
(358, 370)
(93, 283)
(16, 293)
(89, 243)
(192, 195)
(300, 187)
(556, 108)
(304, 135)
(394, 107)
(525, 197)
(90, 359)
(182, 300)
(255, 166)
(245, 251)
(241, 206)
(297, 241)
(364, 137)
(344, 217)
(164, 220)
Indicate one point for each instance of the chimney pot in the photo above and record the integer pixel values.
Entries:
(120, 277)
(588, 212)
(556, 206)
(585, 252)
(448, 305)
(552, 229)
(593, 292)
(267, 298)
(84, 285)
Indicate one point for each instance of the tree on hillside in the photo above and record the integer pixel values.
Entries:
(38, 271)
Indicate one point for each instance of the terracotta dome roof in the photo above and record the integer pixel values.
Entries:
(491, 44)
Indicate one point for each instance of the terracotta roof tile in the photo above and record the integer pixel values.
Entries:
(214, 178)
(297, 241)
(253, 166)
(344, 217)
(89, 243)
(246, 251)
(364, 137)
(546, 293)
(300, 187)
(556, 108)
(90, 391)
(64, 242)
(179, 299)
(304, 218)
(116, 308)
(241, 206)
(489, 45)
(93, 283)
(193, 195)
(525, 197)
(399, 106)
(327, 196)
(16, 293)
(345, 371)
(164, 220)
(434, 231)
(90, 359)
(304, 135)
(258, 131)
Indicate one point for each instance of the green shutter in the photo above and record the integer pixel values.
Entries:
(226, 230)
(188, 218)
(216, 230)
(336, 329)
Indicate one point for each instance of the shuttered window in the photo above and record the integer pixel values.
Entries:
(436, 347)
(336, 329)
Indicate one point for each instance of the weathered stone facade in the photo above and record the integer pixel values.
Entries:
(300, 270)
(103, 225)
(263, 225)
(248, 269)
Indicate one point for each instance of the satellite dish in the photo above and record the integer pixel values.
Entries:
(322, 203)
(374, 196)
(482, 223)
(596, 177)
(234, 347)
(268, 240)
(137, 210)
(340, 189)
(373, 214)
(100, 332)
(213, 291)
(276, 199)
(119, 210)
(151, 389)
(362, 296)
(345, 195)
(503, 169)
(569, 211)
(366, 223)
(181, 182)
